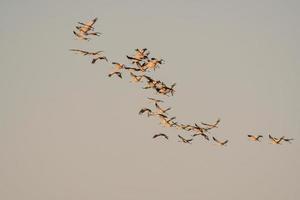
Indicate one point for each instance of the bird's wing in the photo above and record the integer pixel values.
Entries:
(280, 139)
(225, 142)
(157, 106)
(216, 140)
(181, 137)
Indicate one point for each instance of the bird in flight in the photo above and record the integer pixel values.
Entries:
(118, 66)
(151, 83)
(185, 127)
(221, 143)
(99, 58)
(255, 137)
(135, 69)
(147, 110)
(160, 135)
(155, 100)
(135, 78)
(202, 134)
(215, 125)
(182, 139)
(93, 33)
(165, 121)
(87, 26)
(160, 110)
(140, 55)
(83, 52)
(200, 131)
(276, 140)
(115, 73)
(81, 36)
(153, 63)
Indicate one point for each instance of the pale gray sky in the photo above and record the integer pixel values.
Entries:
(67, 131)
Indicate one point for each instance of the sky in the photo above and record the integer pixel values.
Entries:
(67, 131)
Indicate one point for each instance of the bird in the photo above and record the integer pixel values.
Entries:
(202, 134)
(147, 110)
(155, 100)
(200, 131)
(153, 63)
(188, 141)
(160, 135)
(165, 121)
(275, 140)
(198, 128)
(86, 52)
(255, 138)
(151, 83)
(215, 125)
(115, 73)
(135, 78)
(161, 110)
(165, 90)
(185, 127)
(135, 69)
(118, 66)
(79, 51)
(93, 33)
(219, 142)
(140, 55)
(99, 58)
(81, 36)
(134, 59)
(87, 26)
(84, 28)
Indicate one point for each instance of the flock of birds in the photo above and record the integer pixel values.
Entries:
(140, 64)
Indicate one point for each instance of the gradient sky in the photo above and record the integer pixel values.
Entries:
(67, 131)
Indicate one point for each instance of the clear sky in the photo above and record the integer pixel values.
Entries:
(67, 131)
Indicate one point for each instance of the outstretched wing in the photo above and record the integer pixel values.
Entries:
(216, 140)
